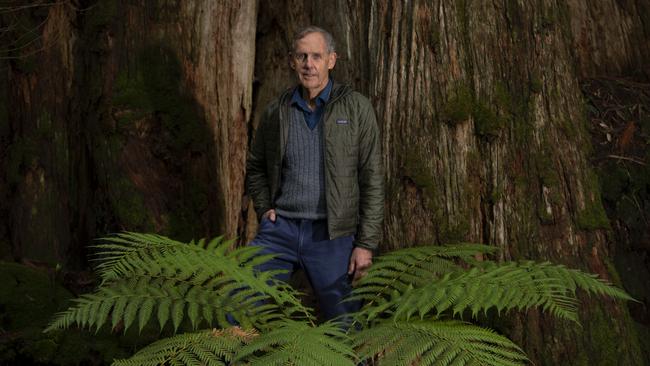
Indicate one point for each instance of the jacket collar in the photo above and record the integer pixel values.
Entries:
(338, 90)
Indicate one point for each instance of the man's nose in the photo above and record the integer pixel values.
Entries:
(309, 62)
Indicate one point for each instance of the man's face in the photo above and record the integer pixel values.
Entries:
(312, 63)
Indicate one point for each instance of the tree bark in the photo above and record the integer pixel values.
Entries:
(484, 134)
(124, 115)
(45, 212)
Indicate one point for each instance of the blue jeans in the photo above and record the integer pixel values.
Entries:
(305, 244)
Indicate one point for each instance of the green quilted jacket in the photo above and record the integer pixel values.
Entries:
(354, 181)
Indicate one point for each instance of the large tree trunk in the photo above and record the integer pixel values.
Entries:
(484, 133)
(124, 116)
(44, 210)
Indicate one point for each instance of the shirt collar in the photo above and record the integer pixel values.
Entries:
(321, 99)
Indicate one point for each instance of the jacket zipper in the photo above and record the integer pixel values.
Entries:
(323, 118)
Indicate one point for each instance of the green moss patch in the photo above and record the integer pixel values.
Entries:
(452, 232)
(490, 115)
(607, 347)
(448, 229)
(459, 107)
(593, 216)
(488, 125)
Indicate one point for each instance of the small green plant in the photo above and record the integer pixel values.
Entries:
(413, 299)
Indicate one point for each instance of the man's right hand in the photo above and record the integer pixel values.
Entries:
(270, 214)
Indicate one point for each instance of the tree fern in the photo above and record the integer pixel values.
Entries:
(395, 272)
(437, 342)
(128, 254)
(216, 347)
(404, 267)
(298, 343)
(406, 287)
(125, 302)
(203, 283)
(152, 278)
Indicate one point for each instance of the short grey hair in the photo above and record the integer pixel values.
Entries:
(329, 40)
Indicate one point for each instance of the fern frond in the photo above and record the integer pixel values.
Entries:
(412, 267)
(462, 251)
(297, 343)
(573, 279)
(115, 248)
(434, 342)
(152, 278)
(198, 271)
(146, 275)
(199, 348)
(216, 263)
(506, 286)
(172, 300)
(125, 252)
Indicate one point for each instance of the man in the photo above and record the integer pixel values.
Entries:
(315, 177)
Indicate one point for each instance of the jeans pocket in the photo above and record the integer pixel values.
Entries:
(266, 223)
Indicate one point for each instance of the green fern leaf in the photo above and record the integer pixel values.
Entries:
(164, 309)
(146, 309)
(134, 254)
(214, 243)
(177, 313)
(207, 311)
(131, 311)
(200, 348)
(102, 314)
(206, 282)
(505, 286)
(434, 342)
(118, 311)
(194, 314)
(186, 280)
(297, 343)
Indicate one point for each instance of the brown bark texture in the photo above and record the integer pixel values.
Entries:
(123, 115)
(485, 135)
(136, 115)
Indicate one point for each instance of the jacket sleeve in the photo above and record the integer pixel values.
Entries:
(257, 180)
(371, 180)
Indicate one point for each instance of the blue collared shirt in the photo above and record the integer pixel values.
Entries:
(312, 117)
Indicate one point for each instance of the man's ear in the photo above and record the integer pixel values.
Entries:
(332, 60)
